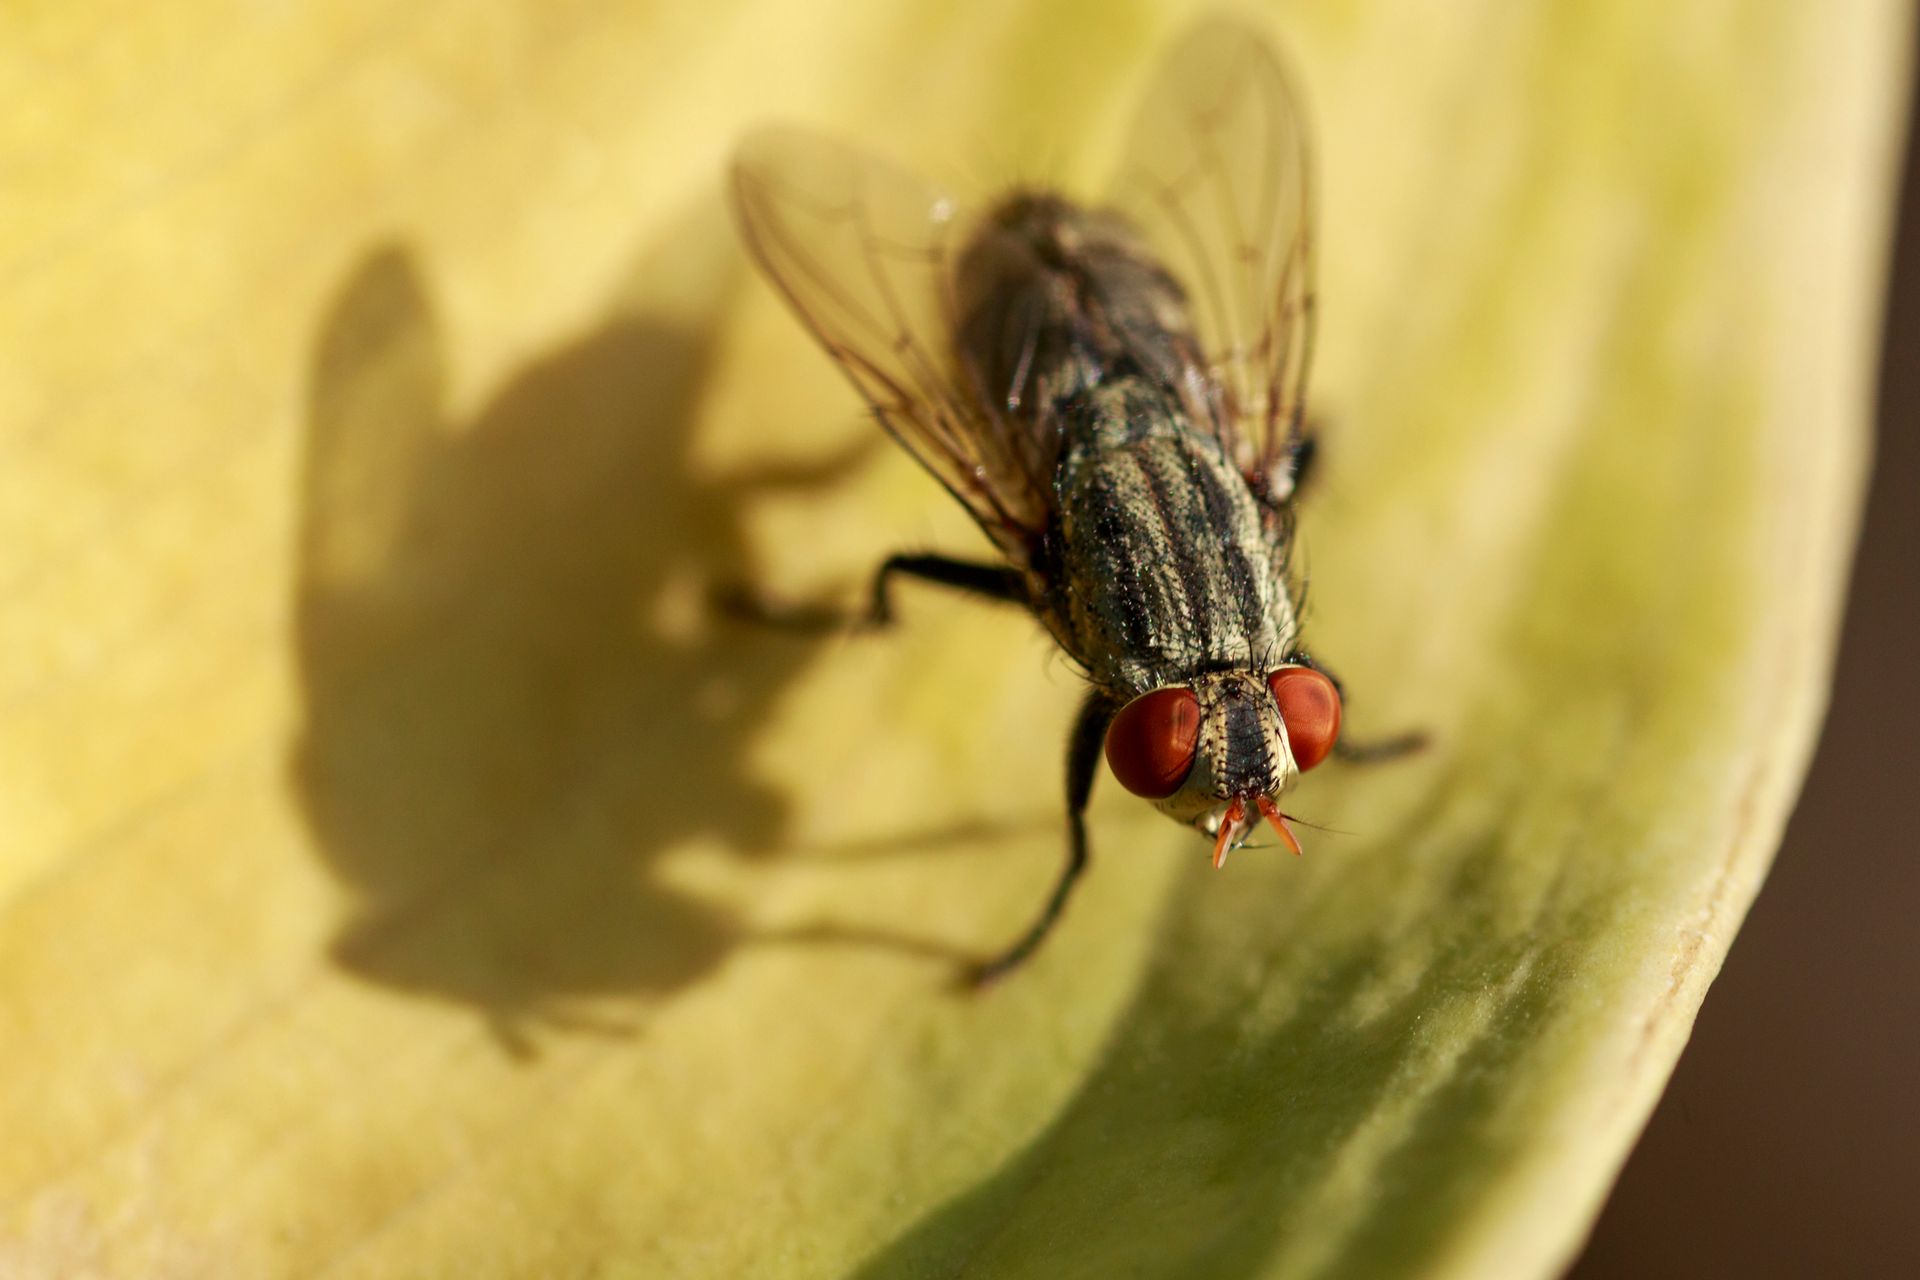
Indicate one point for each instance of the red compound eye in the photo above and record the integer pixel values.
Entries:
(1310, 706)
(1150, 744)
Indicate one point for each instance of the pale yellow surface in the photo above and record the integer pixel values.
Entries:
(402, 875)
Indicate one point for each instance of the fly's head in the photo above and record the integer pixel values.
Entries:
(1216, 753)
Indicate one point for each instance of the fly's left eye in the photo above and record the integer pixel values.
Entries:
(1310, 707)
(1150, 744)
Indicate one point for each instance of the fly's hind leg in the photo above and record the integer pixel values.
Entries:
(984, 581)
(1083, 758)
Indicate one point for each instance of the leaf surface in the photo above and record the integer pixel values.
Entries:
(402, 873)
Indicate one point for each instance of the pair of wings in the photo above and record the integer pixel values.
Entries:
(1215, 178)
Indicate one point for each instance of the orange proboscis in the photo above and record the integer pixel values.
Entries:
(1230, 824)
(1234, 821)
(1272, 813)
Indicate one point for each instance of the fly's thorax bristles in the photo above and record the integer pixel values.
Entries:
(1242, 748)
(1164, 548)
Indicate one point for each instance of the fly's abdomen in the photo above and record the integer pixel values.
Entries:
(1055, 299)
(1166, 569)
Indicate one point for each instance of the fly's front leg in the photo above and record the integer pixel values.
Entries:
(1379, 750)
(1083, 758)
(985, 581)
(1367, 751)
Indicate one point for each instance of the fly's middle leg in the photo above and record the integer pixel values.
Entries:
(982, 581)
(1083, 759)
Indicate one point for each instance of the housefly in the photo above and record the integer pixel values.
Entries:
(1116, 394)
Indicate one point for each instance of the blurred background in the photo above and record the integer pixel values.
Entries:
(1788, 1143)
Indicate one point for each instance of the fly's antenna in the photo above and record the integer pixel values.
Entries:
(1319, 826)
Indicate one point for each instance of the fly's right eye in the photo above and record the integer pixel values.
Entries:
(1150, 744)
(1310, 707)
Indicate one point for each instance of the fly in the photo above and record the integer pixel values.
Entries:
(1116, 394)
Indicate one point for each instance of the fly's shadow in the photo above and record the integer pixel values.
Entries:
(511, 706)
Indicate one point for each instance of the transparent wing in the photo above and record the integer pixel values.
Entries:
(1215, 175)
(863, 251)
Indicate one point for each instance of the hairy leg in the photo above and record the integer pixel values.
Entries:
(993, 582)
(984, 581)
(1083, 757)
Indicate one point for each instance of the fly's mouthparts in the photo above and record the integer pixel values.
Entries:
(1233, 825)
(1271, 812)
(1230, 827)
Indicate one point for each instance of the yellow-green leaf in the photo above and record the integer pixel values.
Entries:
(402, 873)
